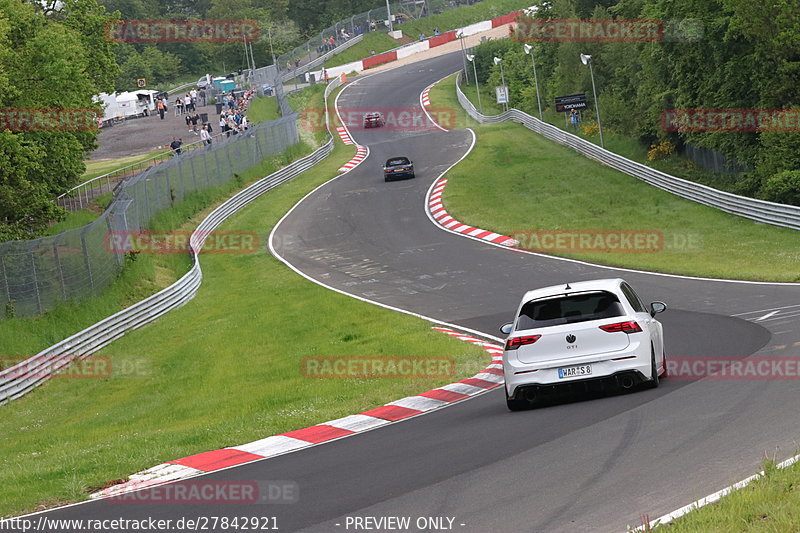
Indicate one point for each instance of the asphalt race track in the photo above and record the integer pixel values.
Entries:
(589, 464)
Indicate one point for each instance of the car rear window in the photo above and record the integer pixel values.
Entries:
(397, 161)
(578, 307)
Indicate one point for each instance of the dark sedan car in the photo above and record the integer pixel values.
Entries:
(373, 120)
(398, 168)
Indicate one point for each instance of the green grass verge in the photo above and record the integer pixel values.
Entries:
(99, 167)
(222, 370)
(446, 21)
(378, 41)
(768, 504)
(264, 108)
(538, 185)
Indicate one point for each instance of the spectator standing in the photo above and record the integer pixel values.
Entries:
(205, 136)
(175, 145)
(161, 109)
(203, 96)
(195, 119)
(223, 126)
(178, 106)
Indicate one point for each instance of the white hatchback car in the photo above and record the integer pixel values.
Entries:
(580, 333)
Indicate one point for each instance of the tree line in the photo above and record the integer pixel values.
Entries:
(711, 55)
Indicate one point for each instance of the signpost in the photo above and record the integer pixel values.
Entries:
(502, 94)
(141, 82)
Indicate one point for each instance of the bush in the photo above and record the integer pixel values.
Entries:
(661, 150)
(783, 187)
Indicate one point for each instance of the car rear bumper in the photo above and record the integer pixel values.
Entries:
(398, 176)
(623, 379)
(605, 372)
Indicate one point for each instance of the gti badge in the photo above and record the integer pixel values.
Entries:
(570, 338)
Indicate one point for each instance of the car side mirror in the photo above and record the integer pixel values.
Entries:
(657, 307)
(506, 328)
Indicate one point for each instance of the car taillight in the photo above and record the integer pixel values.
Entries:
(516, 342)
(387, 170)
(629, 326)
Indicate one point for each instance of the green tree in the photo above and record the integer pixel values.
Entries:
(55, 56)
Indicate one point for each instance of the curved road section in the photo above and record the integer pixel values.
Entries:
(590, 463)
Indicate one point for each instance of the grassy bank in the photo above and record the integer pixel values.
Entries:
(222, 370)
(264, 108)
(538, 185)
(771, 503)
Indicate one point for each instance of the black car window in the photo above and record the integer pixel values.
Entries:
(633, 299)
(397, 161)
(568, 309)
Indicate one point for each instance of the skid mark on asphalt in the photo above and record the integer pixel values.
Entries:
(627, 439)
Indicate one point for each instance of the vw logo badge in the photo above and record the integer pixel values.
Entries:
(570, 338)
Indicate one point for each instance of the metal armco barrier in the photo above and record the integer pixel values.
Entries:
(20, 379)
(787, 216)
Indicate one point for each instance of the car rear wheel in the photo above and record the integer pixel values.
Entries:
(654, 381)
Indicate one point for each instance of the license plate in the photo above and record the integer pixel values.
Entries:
(399, 170)
(574, 371)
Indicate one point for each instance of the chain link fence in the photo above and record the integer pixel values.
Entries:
(38, 274)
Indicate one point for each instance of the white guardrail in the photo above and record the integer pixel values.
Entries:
(20, 379)
(787, 216)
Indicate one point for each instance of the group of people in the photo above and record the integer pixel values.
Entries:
(574, 118)
(232, 120)
(188, 103)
